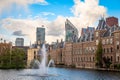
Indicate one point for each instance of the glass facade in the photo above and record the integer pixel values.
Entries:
(40, 35)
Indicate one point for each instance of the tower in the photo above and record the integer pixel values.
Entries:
(40, 35)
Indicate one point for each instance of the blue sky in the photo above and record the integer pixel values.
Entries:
(61, 7)
(49, 12)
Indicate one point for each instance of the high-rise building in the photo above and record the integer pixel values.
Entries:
(71, 32)
(19, 42)
(40, 35)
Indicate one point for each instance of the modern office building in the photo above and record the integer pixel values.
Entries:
(40, 35)
(71, 32)
(19, 42)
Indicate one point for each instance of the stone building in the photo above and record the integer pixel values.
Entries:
(32, 54)
(82, 54)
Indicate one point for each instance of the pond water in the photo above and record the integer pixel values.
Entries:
(59, 74)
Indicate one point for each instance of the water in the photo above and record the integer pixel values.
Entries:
(51, 63)
(62, 74)
(46, 73)
(42, 65)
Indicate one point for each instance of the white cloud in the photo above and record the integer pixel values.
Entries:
(54, 29)
(7, 5)
(86, 12)
(27, 26)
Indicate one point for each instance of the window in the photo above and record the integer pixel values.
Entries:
(34, 54)
(117, 47)
(117, 35)
(107, 41)
(111, 58)
(93, 58)
(108, 50)
(111, 41)
(118, 58)
(103, 42)
(111, 49)
(117, 42)
(90, 58)
(104, 50)
(97, 42)
(97, 34)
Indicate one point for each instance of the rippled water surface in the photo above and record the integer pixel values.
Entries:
(58, 74)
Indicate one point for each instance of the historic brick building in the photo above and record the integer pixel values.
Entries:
(82, 54)
(4, 47)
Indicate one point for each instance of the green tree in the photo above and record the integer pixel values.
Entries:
(18, 58)
(14, 59)
(107, 62)
(4, 59)
(99, 55)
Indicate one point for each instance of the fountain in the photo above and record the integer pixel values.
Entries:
(43, 67)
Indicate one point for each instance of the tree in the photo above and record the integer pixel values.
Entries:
(14, 59)
(18, 58)
(4, 59)
(99, 55)
(107, 62)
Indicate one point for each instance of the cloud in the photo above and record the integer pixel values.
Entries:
(56, 27)
(48, 13)
(7, 5)
(18, 33)
(27, 27)
(86, 12)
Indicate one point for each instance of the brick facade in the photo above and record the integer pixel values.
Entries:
(82, 54)
(111, 21)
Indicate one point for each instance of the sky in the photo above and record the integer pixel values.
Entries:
(20, 18)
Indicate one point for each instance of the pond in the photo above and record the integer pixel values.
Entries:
(59, 74)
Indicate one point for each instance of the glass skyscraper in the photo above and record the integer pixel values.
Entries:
(71, 32)
(40, 35)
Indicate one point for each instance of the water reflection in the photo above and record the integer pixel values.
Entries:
(61, 74)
